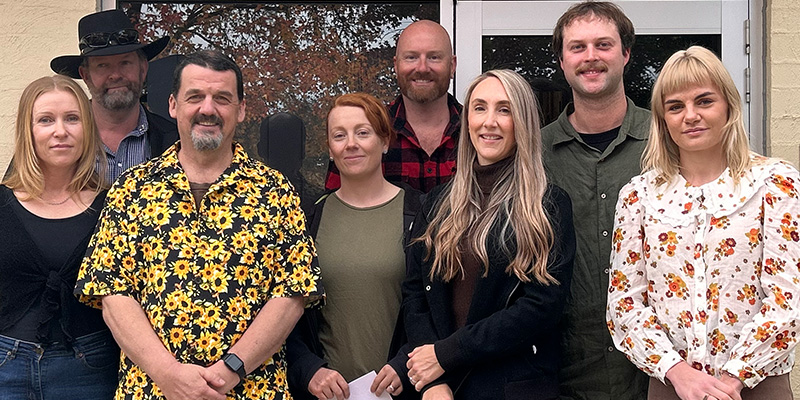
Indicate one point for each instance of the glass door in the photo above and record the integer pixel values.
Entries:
(516, 35)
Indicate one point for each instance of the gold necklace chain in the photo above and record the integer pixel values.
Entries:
(58, 203)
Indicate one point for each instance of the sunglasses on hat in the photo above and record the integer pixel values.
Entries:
(99, 40)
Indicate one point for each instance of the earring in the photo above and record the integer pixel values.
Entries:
(385, 151)
(331, 157)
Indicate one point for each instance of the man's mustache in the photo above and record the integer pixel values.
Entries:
(207, 119)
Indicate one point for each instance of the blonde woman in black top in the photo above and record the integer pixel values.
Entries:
(49, 206)
(489, 274)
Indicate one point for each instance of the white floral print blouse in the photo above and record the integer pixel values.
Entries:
(708, 274)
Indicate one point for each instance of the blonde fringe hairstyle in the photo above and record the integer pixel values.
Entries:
(516, 198)
(686, 68)
(26, 172)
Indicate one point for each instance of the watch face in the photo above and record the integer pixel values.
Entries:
(233, 362)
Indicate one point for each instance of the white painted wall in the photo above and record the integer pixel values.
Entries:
(32, 32)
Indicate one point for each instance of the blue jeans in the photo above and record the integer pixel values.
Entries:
(87, 369)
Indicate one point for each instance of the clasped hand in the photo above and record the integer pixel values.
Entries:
(193, 382)
(423, 366)
(691, 384)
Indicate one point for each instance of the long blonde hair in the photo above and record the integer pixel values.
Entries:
(515, 200)
(26, 173)
(686, 68)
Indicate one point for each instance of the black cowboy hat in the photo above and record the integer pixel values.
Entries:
(104, 34)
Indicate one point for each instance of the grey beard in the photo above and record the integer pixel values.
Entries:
(118, 102)
(206, 142)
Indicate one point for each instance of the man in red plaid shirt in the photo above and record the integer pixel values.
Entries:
(425, 117)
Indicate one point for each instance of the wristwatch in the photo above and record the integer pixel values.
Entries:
(235, 364)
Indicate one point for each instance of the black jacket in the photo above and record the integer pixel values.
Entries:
(304, 353)
(161, 133)
(508, 348)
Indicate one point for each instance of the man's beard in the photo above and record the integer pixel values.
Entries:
(425, 95)
(203, 141)
(118, 100)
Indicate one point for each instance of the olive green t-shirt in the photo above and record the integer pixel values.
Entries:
(362, 261)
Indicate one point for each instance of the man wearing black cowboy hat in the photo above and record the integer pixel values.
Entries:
(113, 63)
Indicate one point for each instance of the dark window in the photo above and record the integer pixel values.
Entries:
(296, 58)
(532, 58)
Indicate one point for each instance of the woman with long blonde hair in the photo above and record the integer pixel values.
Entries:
(49, 205)
(704, 287)
(490, 270)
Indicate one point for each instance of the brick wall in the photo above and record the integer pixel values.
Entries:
(783, 92)
(783, 87)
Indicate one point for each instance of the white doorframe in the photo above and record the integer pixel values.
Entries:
(476, 18)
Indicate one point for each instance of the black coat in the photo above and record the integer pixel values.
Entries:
(161, 133)
(304, 353)
(509, 347)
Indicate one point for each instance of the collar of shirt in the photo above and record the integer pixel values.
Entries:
(169, 168)
(718, 198)
(142, 125)
(139, 131)
(397, 110)
(568, 133)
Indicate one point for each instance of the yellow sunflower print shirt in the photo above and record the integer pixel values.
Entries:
(201, 275)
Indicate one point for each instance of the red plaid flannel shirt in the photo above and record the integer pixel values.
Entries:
(406, 161)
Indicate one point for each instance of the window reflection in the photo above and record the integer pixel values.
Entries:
(532, 58)
(295, 58)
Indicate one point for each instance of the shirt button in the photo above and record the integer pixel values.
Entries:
(119, 165)
(428, 288)
(605, 233)
(606, 271)
(610, 349)
(602, 195)
(429, 170)
(534, 349)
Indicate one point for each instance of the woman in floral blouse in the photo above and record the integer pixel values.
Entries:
(705, 289)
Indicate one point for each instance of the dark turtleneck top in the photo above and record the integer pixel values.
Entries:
(463, 285)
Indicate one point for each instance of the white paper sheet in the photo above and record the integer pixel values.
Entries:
(359, 388)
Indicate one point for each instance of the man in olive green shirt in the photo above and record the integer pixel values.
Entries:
(591, 151)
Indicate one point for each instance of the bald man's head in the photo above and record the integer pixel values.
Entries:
(424, 61)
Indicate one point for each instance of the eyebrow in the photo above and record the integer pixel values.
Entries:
(705, 94)
(592, 40)
(198, 91)
(699, 96)
(482, 101)
(49, 111)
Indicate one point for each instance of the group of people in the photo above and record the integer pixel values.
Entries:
(459, 252)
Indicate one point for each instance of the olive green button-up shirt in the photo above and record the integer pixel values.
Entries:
(591, 366)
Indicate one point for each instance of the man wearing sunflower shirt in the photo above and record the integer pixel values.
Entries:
(200, 261)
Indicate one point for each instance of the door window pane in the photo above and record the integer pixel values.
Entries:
(532, 58)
